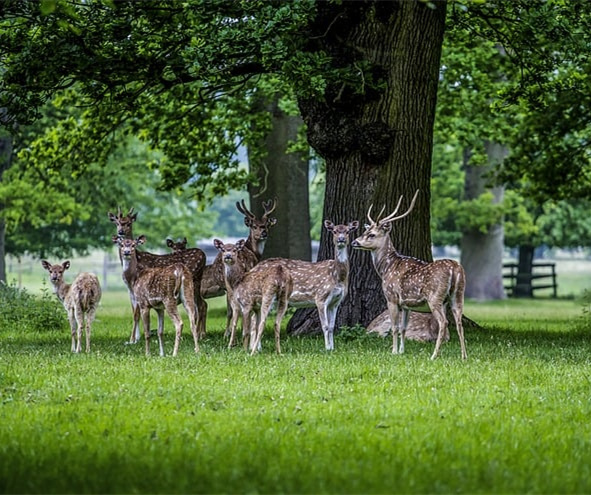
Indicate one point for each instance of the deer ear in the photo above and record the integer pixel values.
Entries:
(387, 227)
(247, 221)
(329, 225)
(353, 225)
(169, 243)
(218, 244)
(271, 221)
(141, 239)
(66, 264)
(115, 239)
(46, 264)
(112, 217)
(240, 244)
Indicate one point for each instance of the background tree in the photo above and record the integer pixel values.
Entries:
(365, 86)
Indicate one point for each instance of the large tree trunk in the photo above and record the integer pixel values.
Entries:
(283, 175)
(482, 252)
(378, 145)
(5, 161)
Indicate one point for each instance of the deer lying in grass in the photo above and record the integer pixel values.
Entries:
(80, 299)
(252, 295)
(160, 288)
(193, 259)
(323, 284)
(408, 282)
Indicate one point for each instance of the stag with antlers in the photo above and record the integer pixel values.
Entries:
(409, 283)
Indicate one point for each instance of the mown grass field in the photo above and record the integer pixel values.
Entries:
(513, 418)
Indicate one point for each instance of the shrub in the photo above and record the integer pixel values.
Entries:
(23, 311)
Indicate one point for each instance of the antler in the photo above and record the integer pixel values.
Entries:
(369, 211)
(391, 217)
(267, 205)
(241, 207)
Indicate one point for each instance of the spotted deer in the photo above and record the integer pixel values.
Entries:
(213, 284)
(323, 284)
(178, 246)
(409, 283)
(80, 299)
(161, 288)
(193, 259)
(252, 296)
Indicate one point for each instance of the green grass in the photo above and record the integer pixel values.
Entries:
(513, 418)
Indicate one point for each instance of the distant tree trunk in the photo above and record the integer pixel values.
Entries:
(523, 288)
(283, 176)
(5, 161)
(377, 145)
(482, 252)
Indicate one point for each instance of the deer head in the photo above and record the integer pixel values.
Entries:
(377, 232)
(127, 246)
(341, 233)
(123, 222)
(229, 251)
(56, 272)
(258, 228)
(177, 246)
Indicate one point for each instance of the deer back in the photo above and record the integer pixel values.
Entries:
(155, 285)
(85, 292)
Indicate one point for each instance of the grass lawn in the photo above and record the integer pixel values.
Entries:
(513, 418)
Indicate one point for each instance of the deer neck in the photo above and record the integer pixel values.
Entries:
(342, 262)
(233, 274)
(130, 268)
(61, 290)
(257, 247)
(384, 257)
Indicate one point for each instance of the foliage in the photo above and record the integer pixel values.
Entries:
(351, 421)
(21, 311)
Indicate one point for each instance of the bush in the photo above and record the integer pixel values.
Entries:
(25, 312)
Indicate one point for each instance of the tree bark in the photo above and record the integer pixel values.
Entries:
(523, 286)
(482, 252)
(377, 145)
(5, 161)
(283, 175)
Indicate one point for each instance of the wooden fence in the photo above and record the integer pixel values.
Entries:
(525, 284)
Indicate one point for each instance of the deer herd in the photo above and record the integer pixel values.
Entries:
(253, 286)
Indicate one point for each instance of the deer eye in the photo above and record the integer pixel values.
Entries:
(371, 236)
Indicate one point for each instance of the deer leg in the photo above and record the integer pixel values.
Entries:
(135, 311)
(233, 324)
(193, 322)
(229, 315)
(332, 316)
(160, 313)
(255, 344)
(178, 326)
(79, 315)
(89, 319)
(145, 314)
(323, 314)
(246, 330)
(72, 321)
(281, 310)
(439, 315)
(403, 317)
(201, 309)
(394, 321)
(457, 310)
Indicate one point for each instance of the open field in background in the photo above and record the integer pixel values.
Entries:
(513, 418)
(573, 273)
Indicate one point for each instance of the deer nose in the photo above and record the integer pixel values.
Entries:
(355, 243)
